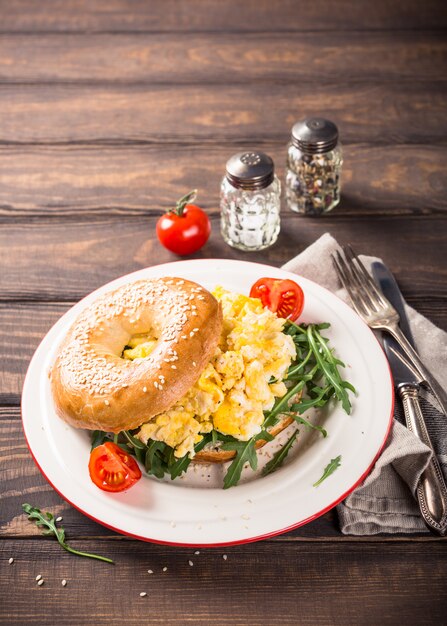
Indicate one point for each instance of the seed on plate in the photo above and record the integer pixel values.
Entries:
(11, 561)
(225, 557)
(197, 552)
(190, 563)
(59, 519)
(41, 582)
(149, 571)
(38, 577)
(64, 583)
(165, 569)
(143, 594)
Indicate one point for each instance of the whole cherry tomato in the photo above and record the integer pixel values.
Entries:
(184, 229)
(112, 469)
(283, 297)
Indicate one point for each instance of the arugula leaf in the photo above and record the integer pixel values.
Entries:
(328, 470)
(265, 436)
(301, 420)
(245, 451)
(46, 520)
(329, 367)
(98, 437)
(306, 403)
(278, 458)
(136, 443)
(153, 460)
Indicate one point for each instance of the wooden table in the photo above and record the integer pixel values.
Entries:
(109, 111)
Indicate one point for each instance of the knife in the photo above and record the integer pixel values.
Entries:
(392, 292)
(432, 489)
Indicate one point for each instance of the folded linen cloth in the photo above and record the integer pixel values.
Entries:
(386, 502)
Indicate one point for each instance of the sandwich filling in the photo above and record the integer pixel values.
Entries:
(241, 381)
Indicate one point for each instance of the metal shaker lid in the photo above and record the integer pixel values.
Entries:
(250, 170)
(315, 135)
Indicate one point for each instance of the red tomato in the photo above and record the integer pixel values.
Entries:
(112, 469)
(283, 297)
(186, 228)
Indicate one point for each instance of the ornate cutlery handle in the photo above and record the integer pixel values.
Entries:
(431, 490)
(415, 360)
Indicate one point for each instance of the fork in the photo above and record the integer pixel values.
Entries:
(372, 306)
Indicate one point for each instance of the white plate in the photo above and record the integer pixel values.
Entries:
(192, 511)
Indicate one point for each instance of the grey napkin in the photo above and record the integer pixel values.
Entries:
(385, 502)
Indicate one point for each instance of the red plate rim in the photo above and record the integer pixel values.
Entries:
(257, 537)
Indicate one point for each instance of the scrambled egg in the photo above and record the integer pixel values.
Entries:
(233, 391)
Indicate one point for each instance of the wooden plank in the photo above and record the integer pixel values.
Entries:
(374, 112)
(140, 180)
(23, 482)
(265, 583)
(229, 58)
(66, 259)
(21, 330)
(251, 15)
(23, 326)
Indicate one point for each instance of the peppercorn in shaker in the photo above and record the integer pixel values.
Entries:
(250, 201)
(314, 160)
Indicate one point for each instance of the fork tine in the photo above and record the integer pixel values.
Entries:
(359, 265)
(360, 277)
(349, 284)
(358, 285)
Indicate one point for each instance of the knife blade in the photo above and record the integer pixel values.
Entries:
(391, 290)
(432, 489)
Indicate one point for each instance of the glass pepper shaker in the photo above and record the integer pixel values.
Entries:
(250, 201)
(314, 161)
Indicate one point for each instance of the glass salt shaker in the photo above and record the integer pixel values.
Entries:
(314, 161)
(250, 201)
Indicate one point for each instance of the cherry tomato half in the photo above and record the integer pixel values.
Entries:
(112, 469)
(186, 228)
(283, 297)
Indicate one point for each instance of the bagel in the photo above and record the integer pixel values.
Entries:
(95, 388)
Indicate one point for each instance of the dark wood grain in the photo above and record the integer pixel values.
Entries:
(186, 58)
(214, 15)
(140, 180)
(243, 114)
(266, 583)
(66, 259)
